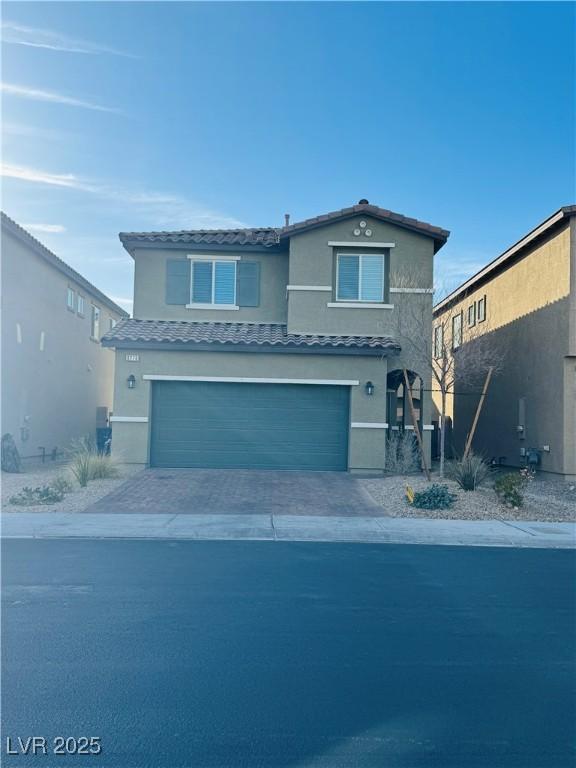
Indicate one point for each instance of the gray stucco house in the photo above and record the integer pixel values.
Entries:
(271, 348)
(57, 380)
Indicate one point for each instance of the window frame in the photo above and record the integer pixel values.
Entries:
(471, 316)
(80, 301)
(457, 316)
(95, 314)
(70, 299)
(359, 255)
(213, 261)
(481, 303)
(438, 341)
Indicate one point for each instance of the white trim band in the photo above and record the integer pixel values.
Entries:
(357, 305)
(212, 257)
(411, 290)
(359, 244)
(309, 288)
(247, 380)
(130, 419)
(425, 427)
(217, 307)
(368, 425)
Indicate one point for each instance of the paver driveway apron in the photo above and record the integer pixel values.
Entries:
(240, 491)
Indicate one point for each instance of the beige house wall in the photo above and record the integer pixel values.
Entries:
(54, 376)
(530, 311)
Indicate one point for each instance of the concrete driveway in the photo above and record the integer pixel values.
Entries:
(240, 491)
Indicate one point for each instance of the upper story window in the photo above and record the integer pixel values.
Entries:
(457, 331)
(213, 283)
(71, 299)
(111, 323)
(360, 277)
(80, 305)
(481, 314)
(471, 315)
(438, 342)
(95, 323)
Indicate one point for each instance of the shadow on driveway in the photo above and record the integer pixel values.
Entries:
(240, 491)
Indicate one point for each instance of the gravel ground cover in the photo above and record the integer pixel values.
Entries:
(42, 474)
(545, 500)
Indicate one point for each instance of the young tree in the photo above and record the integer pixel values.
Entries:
(451, 363)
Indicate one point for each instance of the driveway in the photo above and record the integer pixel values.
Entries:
(240, 491)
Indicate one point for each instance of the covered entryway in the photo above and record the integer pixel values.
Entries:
(227, 425)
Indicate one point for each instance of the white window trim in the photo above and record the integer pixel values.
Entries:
(80, 299)
(212, 304)
(326, 288)
(248, 380)
(95, 326)
(357, 305)
(130, 419)
(211, 257)
(70, 292)
(358, 244)
(368, 425)
(359, 257)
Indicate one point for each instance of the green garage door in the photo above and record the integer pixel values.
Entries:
(259, 426)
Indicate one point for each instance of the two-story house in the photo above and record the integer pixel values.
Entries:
(57, 380)
(271, 348)
(522, 305)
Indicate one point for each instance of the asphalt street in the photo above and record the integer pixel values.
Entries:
(193, 654)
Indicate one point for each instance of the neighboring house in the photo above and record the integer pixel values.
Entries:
(55, 374)
(270, 348)
(524, 304)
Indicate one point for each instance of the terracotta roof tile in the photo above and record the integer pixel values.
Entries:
(272, 236)
(267, 335)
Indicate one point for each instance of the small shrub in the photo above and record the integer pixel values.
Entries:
(434, 497)
(62, 484)
(509, 489)
(469, 472)
(44, 494)
(79, 466)
(103, 467)
(86, 463)
(401, 453)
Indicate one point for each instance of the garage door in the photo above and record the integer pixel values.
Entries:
(259, 426)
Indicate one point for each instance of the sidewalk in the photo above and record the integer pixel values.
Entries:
(477, 533)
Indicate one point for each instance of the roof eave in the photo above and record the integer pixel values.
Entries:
(294, 349)
(563, 213)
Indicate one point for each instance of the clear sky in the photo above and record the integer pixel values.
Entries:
(136, 116)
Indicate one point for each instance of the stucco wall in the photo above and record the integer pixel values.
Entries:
(313, 263)
(49, 395)
(367, 446)
(150, 289)
(528, 319)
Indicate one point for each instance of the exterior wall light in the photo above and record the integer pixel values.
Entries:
(369, 388)
(131, 381)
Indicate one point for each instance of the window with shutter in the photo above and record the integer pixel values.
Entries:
(213, 283)
(360, 277)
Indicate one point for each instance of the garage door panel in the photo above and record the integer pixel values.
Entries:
(213, 424)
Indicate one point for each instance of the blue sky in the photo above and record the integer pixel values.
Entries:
(131, 116)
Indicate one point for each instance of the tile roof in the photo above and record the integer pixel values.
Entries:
(273, 236)
(265, 236)
(368, 210)
(177, 333)
(21, 234)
